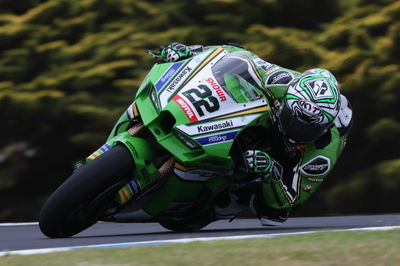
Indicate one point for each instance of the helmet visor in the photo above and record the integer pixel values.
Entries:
(297, 130)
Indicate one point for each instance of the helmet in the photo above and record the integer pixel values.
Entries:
(310, 106)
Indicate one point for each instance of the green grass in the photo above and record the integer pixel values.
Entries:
(324, 248)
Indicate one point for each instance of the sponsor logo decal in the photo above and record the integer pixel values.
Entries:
(307, 111)
(316, 167)
(264, 64)
(313, 179)
(105, 147)
(94, 155)
(308, 188)
(99, 152)
(218, 126)
(178, 78)
(167, 75)
(280, 78)
(215, 86)
(185, 107)
(217, 138)
(271, 70)
(319, 88)
(134, 186)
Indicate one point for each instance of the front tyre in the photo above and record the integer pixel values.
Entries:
(82, 199)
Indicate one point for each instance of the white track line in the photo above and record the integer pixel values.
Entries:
(184, 240)
(18, 224)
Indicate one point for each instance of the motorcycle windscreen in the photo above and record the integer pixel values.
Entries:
(237, 78)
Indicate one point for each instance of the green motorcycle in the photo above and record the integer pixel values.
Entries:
(181, 148)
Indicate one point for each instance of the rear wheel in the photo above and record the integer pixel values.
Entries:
(85, 196)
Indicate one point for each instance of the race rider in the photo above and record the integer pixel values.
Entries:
(311, 120)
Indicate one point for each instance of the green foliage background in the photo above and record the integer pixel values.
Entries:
(69, 68)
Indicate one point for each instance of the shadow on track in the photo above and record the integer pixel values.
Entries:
(251, 231)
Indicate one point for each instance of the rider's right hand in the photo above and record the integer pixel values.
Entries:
(257, 161)
(261, 163)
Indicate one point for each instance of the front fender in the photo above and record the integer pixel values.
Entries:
(143, 156)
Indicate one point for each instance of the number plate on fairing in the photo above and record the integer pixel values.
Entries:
(214, 115)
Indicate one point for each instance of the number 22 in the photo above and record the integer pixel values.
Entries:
(204, 96)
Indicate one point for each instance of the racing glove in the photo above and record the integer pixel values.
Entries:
(175, 52)
(262, 164)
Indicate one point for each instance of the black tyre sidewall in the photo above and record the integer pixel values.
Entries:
(83, 186)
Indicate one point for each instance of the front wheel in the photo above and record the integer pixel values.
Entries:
(83, 198)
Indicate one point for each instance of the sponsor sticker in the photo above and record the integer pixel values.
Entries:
(217, 138)
(217, 88)
(308, 188)
(105, 147)
(99, 152)
(264, 64)
(94, 155)
(282, 77)
(307, 111)
(319, 88)
(314, 179)
(317, 166)
(167, 75)
(185, 107)
(179, 77)
(134, 186)
(215, 126)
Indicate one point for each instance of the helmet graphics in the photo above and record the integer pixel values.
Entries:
(311, 104)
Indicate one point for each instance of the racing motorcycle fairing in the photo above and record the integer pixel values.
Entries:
(196, 107)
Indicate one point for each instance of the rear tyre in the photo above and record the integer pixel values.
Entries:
(83, 198)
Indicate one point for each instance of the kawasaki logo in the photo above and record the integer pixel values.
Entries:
(178, 78)
(208, 128)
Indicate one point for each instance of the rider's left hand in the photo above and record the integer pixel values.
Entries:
(175, 52)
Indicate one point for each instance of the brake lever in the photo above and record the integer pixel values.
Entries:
(155, 55)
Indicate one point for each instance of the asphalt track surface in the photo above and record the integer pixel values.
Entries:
(28, 236)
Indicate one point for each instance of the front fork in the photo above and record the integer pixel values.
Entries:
(145, 173)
